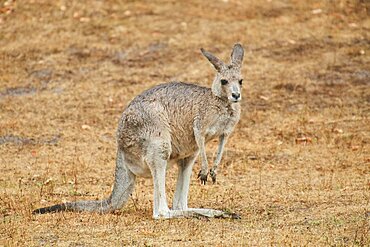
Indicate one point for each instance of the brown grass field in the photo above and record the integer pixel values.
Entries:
(297, 168)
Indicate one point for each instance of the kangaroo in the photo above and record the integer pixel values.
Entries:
(171, 123)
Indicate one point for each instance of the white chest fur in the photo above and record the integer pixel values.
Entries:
(224, 123)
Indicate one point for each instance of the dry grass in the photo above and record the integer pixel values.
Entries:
(297, 167)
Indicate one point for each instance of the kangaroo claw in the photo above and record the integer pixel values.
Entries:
(227, 215)
(202, 177)
(213, 175)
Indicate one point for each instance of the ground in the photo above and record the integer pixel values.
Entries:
(296, 168)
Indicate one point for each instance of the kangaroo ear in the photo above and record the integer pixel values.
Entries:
(237, 55)
(213, 59)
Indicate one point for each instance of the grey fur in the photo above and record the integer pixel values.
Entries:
(171, 122)
(217, 63)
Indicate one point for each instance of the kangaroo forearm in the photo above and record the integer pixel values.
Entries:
(202, 152)
(221, 146)
(199, 139)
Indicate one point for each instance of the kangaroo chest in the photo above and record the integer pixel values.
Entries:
(223, 124)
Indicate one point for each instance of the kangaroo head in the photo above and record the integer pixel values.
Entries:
(228, 81)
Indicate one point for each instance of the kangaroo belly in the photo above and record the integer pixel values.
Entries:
(183, 146)
(212, 133)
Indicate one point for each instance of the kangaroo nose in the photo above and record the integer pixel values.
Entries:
(235, 95)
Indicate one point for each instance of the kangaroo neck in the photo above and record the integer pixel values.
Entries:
(232, 108)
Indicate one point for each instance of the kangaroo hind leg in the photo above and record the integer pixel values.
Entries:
(157, 155)
(185, 166)
(158, 152)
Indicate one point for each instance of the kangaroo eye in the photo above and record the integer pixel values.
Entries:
(224, 82)
(241, 81)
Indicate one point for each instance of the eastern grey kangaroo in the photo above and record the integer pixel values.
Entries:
(172, 122)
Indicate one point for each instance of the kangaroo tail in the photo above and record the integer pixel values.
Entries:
(124, 184)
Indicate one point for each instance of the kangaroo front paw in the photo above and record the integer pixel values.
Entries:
(213, 174)
(202, 177)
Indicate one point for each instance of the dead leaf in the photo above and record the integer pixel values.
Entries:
(291, 41)
(86, 127)
(316, 11)
(48, 181)
(303, 140)
(338, 131)
(84, 19)
(127, 13)
(264, 98)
